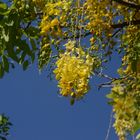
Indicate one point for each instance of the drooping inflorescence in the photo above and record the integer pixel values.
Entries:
(73, 71)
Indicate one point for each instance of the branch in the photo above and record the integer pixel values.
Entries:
(106, 85)
(29, 23)
(104, 75)
(121, 25)
(77, 36)
(114, 34)
(110, 84)
(128, 4)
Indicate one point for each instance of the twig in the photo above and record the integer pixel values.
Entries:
(29, 23)
(106, 76)
(77, 36)
(121, 25)
(107, 84)
(128, 4)
(109, 127)
(116, 32)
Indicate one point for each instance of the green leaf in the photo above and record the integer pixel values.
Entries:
(110, 96)
(136, 128)
(44, 57)
(5, 64)
(33, 57)
(32, 31)
(5, 129)
(3, 6)
(111, 102)
(10, 23)
(138, 137)
(32, 41)
(72, 101)
(0, 118)
(134, 66)
(24, 46)
(25, 65)
(5, 34)
(22, 57)
(1, 71)
(12, 54)
(138, 45)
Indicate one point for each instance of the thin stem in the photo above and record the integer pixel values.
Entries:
(76, 24)
(106, 76)
(80, 24)
(77, 36)
(109, 127)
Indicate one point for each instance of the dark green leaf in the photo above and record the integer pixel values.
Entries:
(25, 65)
(24, 46)
(44, 58)
(5, 129)
(32, 41)
(111, 102)
(5, 64)
(12, 54)
(32, 31)
(33, 57)
(1, 71)
(72, 101)
(22, 57)
(134, 66)
(2, 138)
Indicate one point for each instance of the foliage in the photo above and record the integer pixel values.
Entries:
(4, 127)
(77, 38)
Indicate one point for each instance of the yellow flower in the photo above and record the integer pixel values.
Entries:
(128, 69)
(45, 29)
(73, 72)
(54, 22)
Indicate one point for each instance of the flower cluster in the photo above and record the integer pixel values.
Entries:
(54, 16)
(98, 14)
(73, 71)
(121, 127)
(125, 99)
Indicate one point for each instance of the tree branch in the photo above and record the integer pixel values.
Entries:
(110, 83)
(128, 4)
(121, 25)
(106, 85)
(77, 36)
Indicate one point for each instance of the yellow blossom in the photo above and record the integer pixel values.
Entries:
(73, 72)
(54, 22)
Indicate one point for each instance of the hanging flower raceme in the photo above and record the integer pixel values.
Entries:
(54, 16)
(74, 68)
(125, 99)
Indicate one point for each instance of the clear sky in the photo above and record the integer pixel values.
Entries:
(39, 113)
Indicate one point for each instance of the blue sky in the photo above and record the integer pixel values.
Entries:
(38, 113)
